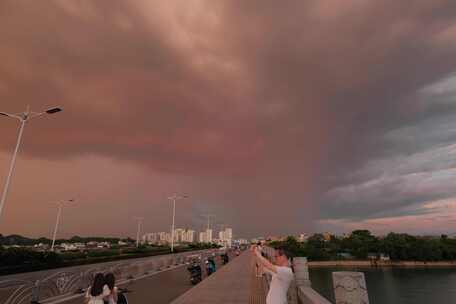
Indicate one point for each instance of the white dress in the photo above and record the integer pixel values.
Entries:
(99, 298)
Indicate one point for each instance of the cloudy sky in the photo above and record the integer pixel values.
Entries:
(276, 116)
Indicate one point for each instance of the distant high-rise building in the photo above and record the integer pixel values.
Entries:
(150, 238)
(228, 233)
(202, 237)
(164, 237)
(179, 235)
(225, 237)
(190, 236)
(208, 235)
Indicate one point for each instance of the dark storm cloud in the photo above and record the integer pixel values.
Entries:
(416, 170)
(279, 101)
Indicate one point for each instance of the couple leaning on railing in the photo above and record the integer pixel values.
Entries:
(104, 291)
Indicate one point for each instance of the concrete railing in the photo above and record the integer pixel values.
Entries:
(307, 295)
(300, 290)
(349, 287)
(61, 284)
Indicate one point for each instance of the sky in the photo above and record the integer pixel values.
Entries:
(277, 117)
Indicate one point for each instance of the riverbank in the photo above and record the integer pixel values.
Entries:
(373, 263)
(395, 285)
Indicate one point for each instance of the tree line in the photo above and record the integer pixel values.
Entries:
(361, 244)
(20, 240)
(23, 259)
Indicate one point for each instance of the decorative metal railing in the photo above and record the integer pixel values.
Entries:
(67, 283)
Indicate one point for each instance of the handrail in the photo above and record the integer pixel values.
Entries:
(300, 290)
(308, 295)
(67, 283)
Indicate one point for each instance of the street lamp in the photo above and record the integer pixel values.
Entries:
(57, 221)
(174, 198)
(139, 219)
(23, 118)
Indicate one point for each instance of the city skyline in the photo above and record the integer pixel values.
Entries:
(277, 117)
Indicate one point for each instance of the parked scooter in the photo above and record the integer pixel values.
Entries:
(210, 267)
(195, 273)
(225, 258)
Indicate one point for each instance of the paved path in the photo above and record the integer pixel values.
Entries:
(259, 289)
(229, 285)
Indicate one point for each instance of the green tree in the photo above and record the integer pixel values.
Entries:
(360, 243)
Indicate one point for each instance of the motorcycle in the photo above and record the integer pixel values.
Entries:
(195, 273)
(225, 258)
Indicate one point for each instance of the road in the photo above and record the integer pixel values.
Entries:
(160, 288)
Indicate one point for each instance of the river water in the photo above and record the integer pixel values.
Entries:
(396, 285)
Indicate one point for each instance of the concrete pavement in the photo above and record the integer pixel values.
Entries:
(230, 284)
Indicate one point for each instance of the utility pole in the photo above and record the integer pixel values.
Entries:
(174, 198)
(23, 118)
(57, 221)
(139, 219)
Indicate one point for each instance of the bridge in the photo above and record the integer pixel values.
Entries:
(163, 279)
(237, 283)
(67, 285)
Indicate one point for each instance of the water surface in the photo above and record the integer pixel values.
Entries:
(396, 285)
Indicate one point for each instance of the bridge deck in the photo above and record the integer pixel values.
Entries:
(233, 284)
(258, 289)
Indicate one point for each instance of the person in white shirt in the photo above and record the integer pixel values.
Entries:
(281, 272)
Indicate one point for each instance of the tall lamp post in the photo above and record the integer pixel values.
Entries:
(23, 118)
(57, 221)
(209, 240)
(139, 219)
(174, 198)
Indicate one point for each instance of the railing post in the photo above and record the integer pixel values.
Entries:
(81, 283)
(36, 293)
(301, 271)
(350, 288)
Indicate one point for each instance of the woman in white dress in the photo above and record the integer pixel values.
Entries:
(98, 291)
